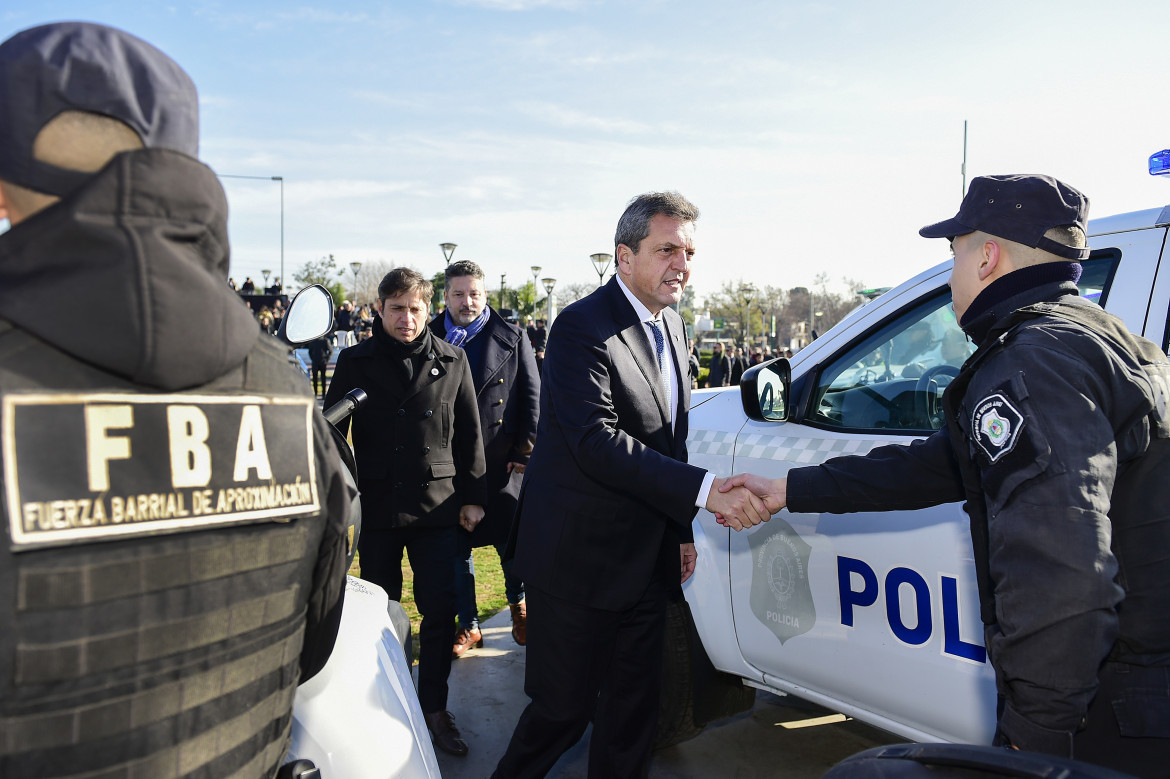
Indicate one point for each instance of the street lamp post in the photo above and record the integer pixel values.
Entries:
(749, 293)
(503, 279)
(535, 279)
(601, 265)
(268, 178)
(448, 252)
(549, 283)
(355, 266)
(281, 180)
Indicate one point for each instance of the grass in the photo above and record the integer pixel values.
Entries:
(489, 586)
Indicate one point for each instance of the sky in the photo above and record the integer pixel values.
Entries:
(815, 137)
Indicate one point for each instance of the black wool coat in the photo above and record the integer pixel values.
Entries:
(418, 445)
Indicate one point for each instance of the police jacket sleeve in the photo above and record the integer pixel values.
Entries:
(889, 478)
(528, 400)
(327, 593)
(467, 440)
(1047, 486)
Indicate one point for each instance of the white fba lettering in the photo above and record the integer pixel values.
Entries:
(100, 447)
(190, 455)
(251, 451)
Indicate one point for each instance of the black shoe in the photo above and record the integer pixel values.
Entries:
(445, 734)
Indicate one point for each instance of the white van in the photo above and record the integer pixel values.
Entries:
(874, 615)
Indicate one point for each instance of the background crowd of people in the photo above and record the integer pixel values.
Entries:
(725, 367)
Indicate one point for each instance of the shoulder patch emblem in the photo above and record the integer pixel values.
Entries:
(997, 425)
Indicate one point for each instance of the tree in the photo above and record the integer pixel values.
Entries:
(522, 300)
(368, 278)
(500, 299)
(820, 308)
(439, 282)
(569, 293)
(326, 273)
(738, 304)
(686, 306)
(562, 296)
(748, 310)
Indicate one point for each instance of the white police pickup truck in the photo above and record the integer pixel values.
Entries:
(872, 615)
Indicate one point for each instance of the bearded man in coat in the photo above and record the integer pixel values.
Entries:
(507, 388)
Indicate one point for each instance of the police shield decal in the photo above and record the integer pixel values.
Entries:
(781, 597)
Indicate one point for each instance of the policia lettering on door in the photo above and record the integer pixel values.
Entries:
(84, 468)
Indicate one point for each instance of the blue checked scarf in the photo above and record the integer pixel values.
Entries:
(457, 336)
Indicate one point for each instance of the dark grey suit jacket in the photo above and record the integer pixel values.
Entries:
(608, 487)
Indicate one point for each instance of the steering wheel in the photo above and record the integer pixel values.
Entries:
(926, 392)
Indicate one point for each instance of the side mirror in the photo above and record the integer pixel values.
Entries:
(765, 390)
(309, 316)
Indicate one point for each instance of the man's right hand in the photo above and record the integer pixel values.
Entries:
(470, 516)
(773, 492)
(736, 507)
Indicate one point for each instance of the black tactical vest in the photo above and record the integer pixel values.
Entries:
(157, 560)
(1140, 501)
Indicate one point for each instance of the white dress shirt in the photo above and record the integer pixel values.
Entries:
(668, 355)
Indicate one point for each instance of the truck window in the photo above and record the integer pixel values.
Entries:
(883, 381)
(894, 378)
(1097, 275)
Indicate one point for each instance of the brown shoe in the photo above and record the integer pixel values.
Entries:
(466, 639)
(445, 734)
(519, 622)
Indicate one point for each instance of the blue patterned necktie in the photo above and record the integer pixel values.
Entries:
(660, 350)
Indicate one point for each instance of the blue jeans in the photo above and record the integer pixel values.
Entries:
(465, 604)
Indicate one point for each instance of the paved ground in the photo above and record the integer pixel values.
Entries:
(779, 736)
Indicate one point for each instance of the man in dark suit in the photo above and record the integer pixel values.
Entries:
(320, 350)
(739, 364)
(603, 529)
(420, 463)
(538, 336)
(508, 392)
(719, 369)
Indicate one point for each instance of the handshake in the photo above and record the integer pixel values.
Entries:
(746, 500)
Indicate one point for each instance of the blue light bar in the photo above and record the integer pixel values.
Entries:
(1160, 163)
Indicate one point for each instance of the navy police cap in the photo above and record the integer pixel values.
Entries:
(80, 66)
(1020, 208)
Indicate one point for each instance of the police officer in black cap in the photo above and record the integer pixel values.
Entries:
(1058, 439)
(173, 510)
